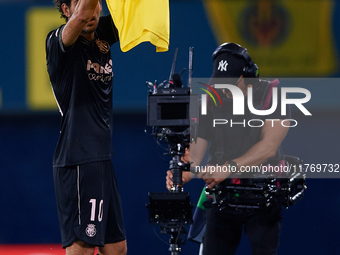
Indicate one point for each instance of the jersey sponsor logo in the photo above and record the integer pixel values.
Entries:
(91, 230)
(103, 46)
(101, 73)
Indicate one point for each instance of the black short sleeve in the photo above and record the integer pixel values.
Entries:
(107, 30)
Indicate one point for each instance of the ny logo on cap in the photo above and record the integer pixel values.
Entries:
(223, 65)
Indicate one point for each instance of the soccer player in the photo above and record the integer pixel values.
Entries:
(79, 64)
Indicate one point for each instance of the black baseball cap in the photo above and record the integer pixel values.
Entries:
(228, 65)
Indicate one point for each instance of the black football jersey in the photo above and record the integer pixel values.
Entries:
(81, 77)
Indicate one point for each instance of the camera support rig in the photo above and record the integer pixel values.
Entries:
(173, 210)
(168, 113)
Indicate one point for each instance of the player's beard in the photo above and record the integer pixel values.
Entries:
(91, 26)
(90, 29)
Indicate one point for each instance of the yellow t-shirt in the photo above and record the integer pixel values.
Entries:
(139, 21)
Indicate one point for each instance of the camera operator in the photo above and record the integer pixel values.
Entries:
(237, 146)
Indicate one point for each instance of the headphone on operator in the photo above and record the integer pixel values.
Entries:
(250, 70)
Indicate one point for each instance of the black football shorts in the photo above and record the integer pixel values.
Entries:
(88, 202)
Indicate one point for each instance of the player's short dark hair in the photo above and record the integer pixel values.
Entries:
(58, 4)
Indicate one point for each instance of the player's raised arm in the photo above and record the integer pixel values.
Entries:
(82, 17)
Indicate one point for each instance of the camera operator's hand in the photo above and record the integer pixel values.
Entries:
(185, 178)
(213, 181)
(185, 175)
(213, 176)
(186, 157)
(193, 155)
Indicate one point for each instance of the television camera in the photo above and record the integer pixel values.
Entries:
(172, 114)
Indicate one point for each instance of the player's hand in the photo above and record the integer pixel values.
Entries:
(185, 178)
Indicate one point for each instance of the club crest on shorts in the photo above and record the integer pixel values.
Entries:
(91, 230)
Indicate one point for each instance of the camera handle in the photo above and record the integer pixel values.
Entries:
(176, 166)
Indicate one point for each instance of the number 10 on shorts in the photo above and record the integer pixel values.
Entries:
(93, 210)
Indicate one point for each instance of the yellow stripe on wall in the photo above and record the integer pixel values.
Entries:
(40, 21)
